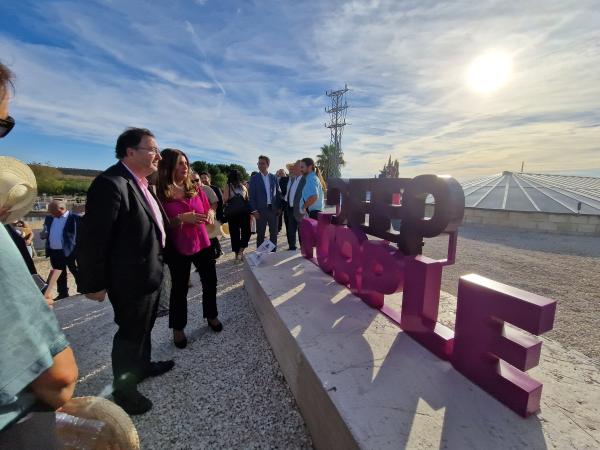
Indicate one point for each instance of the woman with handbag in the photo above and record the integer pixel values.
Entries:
(188, 243)
(237, 212)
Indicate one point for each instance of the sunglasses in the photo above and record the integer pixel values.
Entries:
(6, 125)
(195, 181)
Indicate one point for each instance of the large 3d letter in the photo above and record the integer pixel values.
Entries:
(308, 233)
(326, 242)
(494, 355)
(420, 303)
(347, 257)
(382, 272)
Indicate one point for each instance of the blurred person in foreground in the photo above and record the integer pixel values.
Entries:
(237, 209)
(188, 210)
(60, 230)
(120, 252)
(312, 198)
(37, 368)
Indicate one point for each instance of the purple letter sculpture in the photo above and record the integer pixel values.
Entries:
(489, 353)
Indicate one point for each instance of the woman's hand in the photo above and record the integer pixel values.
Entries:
(192, 218)
(208, 218)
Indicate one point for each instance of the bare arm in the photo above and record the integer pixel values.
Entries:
(55, 386)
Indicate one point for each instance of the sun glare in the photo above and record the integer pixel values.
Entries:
(489, 72)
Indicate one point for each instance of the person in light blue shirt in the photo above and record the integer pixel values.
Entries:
(37, 368)
(313, 193)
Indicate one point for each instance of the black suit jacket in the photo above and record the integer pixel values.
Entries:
(119, 242)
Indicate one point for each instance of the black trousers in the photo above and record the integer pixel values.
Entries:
(268, 216)
(179, 266)
(239, 230)
(292, 227)
(59, 261)
(132, 345)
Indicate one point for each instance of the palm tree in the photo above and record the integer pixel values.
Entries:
(326, 162)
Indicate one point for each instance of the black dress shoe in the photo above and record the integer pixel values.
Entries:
(157, 368)
(132, 401)
(61, 296)
(291, 249)
(215, 324)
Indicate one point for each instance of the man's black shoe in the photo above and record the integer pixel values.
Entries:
(61, 296)
(157, 368)
(291, 249)
(132, 401)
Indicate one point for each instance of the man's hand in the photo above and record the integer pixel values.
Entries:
(97, 296)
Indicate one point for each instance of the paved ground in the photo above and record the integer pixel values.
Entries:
(226, 390)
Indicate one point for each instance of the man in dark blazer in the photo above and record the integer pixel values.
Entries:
(60, 232)
(265, 201)
(120, 251)
(283, 180)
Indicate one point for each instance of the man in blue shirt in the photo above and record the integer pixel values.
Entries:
(37, 367)
(60, 232)
(313, 196)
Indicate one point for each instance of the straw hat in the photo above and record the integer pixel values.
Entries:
(18, 188)
(119, 432)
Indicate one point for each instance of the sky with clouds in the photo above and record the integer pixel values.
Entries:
(228, 80)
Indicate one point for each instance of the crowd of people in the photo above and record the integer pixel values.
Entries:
(147, 212)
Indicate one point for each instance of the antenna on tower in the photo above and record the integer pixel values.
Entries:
(337, 122)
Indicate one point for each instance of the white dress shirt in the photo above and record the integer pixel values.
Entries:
(267, 187)
(291, 192)
(56, 231)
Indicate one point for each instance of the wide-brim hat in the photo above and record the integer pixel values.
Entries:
(119, 431)
(18, 188)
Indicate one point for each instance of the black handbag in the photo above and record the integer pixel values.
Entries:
(236, 206)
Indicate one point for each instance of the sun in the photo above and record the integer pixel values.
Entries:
(488, 72)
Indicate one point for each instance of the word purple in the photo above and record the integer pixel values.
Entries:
(482, 346)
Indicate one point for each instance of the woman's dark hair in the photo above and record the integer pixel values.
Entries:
(130, 138)
(166, 170)
(234, 177)
(6, 80)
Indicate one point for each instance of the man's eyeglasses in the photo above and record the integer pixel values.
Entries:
(149, 149)
(6, 125)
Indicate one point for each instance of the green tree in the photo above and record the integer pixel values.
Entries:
(326, 162)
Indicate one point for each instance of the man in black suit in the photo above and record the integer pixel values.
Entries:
(120, 251)
(283, 181)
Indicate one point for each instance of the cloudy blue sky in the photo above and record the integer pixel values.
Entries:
(228, 80)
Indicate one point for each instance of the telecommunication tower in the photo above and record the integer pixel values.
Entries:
(337, 122)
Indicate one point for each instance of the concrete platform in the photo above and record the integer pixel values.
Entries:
(361, 382)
